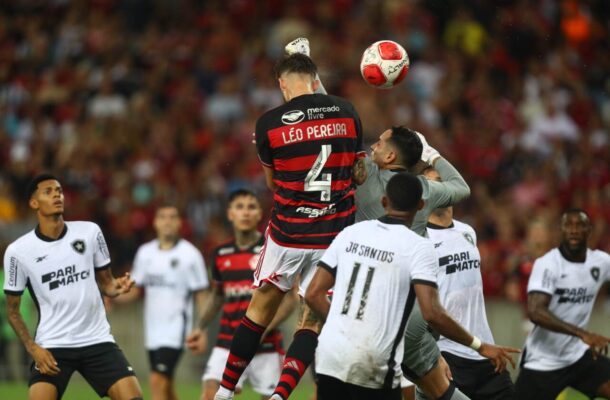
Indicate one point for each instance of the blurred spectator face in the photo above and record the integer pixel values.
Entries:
(538, 238)
(382, 151)
(48, 199)
(167, 222)
(575, 230)
(244, 212)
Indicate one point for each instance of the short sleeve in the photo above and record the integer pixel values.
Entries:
(330, 259)
(138, 268)
(197, 278)
(263, 146)
(424, 264)
(15, 278)
(543, 277)
(101, 255)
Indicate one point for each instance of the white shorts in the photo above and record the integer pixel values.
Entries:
(281, 265)
(263, 373)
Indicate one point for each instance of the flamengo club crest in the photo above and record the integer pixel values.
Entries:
(79, 246)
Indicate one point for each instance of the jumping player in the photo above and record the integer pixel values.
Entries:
(308, 148)
(65, 266)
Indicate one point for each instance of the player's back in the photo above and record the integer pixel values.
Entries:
(311, 143)
(361, 342)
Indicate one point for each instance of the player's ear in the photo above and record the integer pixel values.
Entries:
(33, 203)
(315, 84)
(385, 202)
(420, 204)
(282, 83)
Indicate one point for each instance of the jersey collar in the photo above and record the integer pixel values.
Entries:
(45, 238)
(386, 219)
(434, 226)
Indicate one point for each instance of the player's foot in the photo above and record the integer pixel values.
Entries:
(298, 45)
(219, 396)
(276, 396)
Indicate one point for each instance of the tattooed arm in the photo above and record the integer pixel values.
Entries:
(44, 360)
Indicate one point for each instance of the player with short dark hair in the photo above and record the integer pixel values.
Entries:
(460, 288)
(170, 273)
(361, 345)
(65, 266)
(559, 351)
(308, 147)
(231, 271)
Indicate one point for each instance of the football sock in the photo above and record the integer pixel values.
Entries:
(453, 393)
(298, 357)
(243, 348)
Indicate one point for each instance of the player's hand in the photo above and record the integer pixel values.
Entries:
(44, 361)
(123, 284)
(429, 153)
(597, 343)
(197, 341)
(498, 355)
(442, 363)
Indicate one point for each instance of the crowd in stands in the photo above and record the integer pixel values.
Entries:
(135, 103)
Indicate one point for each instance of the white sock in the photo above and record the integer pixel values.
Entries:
(224, 392)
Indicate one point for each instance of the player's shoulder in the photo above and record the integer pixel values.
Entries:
(82, 226)
(188, 246)
(463, 227)
(151, 245)
(600, 255)
(550, 257)
(21, 244)
(224, 248)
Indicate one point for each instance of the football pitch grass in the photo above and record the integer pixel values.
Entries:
(79, 390)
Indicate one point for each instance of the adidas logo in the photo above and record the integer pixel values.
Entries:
(291, 364)
(239, 364)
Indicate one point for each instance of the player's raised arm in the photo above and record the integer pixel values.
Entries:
(438, 318)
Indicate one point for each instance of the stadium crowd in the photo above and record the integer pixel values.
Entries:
(134, 104)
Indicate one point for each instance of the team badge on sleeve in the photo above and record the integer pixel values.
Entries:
(468, 238)
(79, 246)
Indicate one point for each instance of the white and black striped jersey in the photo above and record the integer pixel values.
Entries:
(60, 275)
(460, 286)
(169, 277)
(573, 287)
(374, 264)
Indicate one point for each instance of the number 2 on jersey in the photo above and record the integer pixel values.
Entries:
(323, 185)
(365, 291)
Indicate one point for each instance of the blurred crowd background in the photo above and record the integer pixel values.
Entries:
(137, 102)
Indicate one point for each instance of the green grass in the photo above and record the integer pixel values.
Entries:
(79, 390)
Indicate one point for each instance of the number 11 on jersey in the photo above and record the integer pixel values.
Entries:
(323, 185)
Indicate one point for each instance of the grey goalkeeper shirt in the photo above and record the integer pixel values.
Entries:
(450, 191)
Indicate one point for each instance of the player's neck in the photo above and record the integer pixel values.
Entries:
(577, 256)
(404, 216)
(298, 89)
(51, 226)
(442, 217)
(166, 243)
(245, 239)
(393, 167)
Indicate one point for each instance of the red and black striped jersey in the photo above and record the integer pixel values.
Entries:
(232, 271)
(311, 142)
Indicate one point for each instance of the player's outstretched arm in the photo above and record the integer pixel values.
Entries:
(438, 318)
(43, 359)
(111, 286)
(316, 296)
(453, 188)
(209, 303)
(539, 313)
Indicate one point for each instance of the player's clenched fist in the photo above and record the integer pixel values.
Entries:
(44, 361)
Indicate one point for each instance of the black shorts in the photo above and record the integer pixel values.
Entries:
(164, 360)
(477, 379)
(330, 388)
(100, 364)
(586, 375)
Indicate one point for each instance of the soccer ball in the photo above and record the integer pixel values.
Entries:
(384, 64)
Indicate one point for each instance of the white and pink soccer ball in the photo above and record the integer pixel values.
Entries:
(384, 64)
